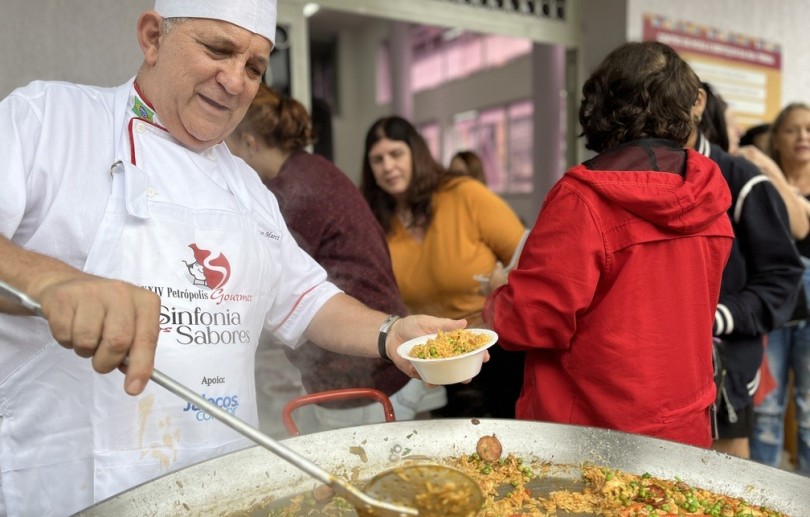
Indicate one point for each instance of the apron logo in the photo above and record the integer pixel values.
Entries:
(229, 403)
(212, 272)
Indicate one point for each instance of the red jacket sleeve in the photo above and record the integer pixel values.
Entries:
(555, 279)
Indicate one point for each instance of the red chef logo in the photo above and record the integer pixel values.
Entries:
(208, 270)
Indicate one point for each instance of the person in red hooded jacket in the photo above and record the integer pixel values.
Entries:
(614, 296)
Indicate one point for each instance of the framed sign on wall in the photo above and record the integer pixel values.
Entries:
(745, 70)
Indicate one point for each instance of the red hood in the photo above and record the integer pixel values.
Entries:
(685, 204)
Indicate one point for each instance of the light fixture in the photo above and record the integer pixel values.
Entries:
(310, 9)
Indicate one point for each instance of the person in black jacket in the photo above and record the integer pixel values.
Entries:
(760, 282)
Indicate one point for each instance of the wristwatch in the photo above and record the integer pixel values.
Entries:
(384, 328)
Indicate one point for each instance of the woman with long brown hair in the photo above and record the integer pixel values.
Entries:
(444, 231)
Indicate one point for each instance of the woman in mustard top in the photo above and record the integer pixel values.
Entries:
(443, 232)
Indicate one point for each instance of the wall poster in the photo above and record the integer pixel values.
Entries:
(745, 70)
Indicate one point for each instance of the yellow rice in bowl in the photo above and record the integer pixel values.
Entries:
(449, 344)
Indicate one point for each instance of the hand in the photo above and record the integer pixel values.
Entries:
(107, 320)
(797, 206)
(488, 283)
(412, 327)
(499, 277)
(763, 161)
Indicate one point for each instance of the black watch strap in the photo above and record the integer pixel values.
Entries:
(383, 336)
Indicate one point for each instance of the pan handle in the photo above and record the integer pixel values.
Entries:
(328, 396)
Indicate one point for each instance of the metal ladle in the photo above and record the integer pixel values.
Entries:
(400, 485)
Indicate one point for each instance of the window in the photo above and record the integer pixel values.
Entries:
(502, 138)
(383, 69)
(462, 56)
(501, 135)
(499, 50)
(521, 136)
(442, 55)
(431, 132)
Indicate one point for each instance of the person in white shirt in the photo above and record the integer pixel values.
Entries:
(126, 217)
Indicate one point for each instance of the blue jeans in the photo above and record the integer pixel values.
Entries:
(788, 349)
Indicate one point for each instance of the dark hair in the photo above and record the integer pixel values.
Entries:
(475, 169)
(640, 90)
(778, 122)
(751, 134)
(713, 121)
(426, 176)
(281, 122)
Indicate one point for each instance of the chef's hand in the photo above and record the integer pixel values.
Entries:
(412, 327)
(106, 320)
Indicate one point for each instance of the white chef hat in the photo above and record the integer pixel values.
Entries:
(258, 16)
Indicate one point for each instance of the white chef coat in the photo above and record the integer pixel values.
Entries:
(60, 141)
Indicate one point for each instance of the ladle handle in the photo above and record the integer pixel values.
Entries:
(242, 427)
(20, 298)
(354, 495)
(342, 487)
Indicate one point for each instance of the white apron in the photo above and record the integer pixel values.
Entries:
(212, 275)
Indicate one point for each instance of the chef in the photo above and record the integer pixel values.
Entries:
(124, 215)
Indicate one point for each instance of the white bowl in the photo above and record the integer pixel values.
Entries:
(448, 370)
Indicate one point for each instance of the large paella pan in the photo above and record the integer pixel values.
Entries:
(239, 482)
